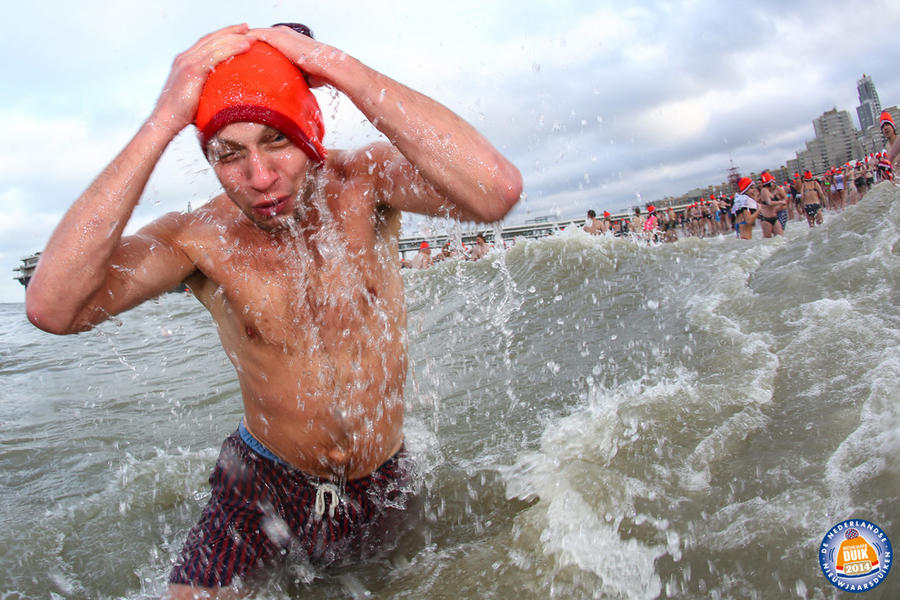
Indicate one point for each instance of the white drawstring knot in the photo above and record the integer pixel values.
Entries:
(321, 490)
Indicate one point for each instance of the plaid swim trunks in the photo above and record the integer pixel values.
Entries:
(262, 509)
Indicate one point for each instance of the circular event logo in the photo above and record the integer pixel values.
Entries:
(855, 555)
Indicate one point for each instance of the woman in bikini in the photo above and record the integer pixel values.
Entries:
(769, 206)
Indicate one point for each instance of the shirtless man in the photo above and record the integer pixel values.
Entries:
(480, 249)
(593, 225)
(297, 262)
(606, 223)
(637, 222)
(889, 131)
(812, 195)
(769, 206)
(422, 259)
(669, 222)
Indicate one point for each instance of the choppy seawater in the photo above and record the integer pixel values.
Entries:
(594, 418)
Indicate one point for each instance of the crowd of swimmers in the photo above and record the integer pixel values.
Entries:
(765, 202)
(424, 258)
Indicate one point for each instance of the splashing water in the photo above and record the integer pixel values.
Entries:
(593, 418)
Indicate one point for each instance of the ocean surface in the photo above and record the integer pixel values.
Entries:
(593, 418)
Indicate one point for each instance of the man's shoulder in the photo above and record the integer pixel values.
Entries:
(363, 161)
(183, 227)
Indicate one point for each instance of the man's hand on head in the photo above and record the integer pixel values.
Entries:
(176, 107)
(312, 57)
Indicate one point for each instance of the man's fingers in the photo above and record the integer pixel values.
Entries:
(238, 29)
(213, 50)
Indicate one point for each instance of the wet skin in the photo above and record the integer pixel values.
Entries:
(300, 273)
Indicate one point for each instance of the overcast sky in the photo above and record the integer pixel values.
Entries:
(599, 104)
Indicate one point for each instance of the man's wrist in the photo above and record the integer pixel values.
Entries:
(161, 129)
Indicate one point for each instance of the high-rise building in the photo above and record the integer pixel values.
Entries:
(869, 108)
(835, 142)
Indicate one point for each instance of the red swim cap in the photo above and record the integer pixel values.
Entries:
(887, 118)
(423, 245)
(766, 177)
(261, 86)
(744, 184)
(807, 176)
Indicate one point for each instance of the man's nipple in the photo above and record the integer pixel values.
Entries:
(338, 457)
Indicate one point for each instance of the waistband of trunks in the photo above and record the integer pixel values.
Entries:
(255, 445)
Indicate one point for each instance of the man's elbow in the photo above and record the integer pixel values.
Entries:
(506, 194)
(43, 315)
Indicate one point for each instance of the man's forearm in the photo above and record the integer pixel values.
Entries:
(448, 152)
(76, 260)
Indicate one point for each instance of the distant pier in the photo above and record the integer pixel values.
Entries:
(26, 269)
(536, 229)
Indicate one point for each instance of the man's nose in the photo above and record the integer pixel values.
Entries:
(261, 172)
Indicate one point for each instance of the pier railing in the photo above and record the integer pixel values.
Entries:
(528, 230)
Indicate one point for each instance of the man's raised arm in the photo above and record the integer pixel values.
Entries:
(87, 271)
(464, 175)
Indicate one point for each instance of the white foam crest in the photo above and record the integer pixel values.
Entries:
(595, 430)
(581, 528)
(571, 241)
(838, 320)
(573, 532)
(742, 524)
(872, 448)
(141, 484)
(715, 310)
(578, 537)
(422, 443)
(696, 473)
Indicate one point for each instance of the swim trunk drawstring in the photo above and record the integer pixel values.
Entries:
(321, 490)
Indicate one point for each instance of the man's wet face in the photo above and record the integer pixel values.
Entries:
(261, 170)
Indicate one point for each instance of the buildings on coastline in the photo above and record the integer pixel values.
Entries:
(869, 109)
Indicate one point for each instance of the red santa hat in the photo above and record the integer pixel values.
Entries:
(262, 86)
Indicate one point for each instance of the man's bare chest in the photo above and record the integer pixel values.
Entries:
(303, 296)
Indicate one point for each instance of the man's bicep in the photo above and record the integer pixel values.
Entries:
(144, 266)
(399, 185)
